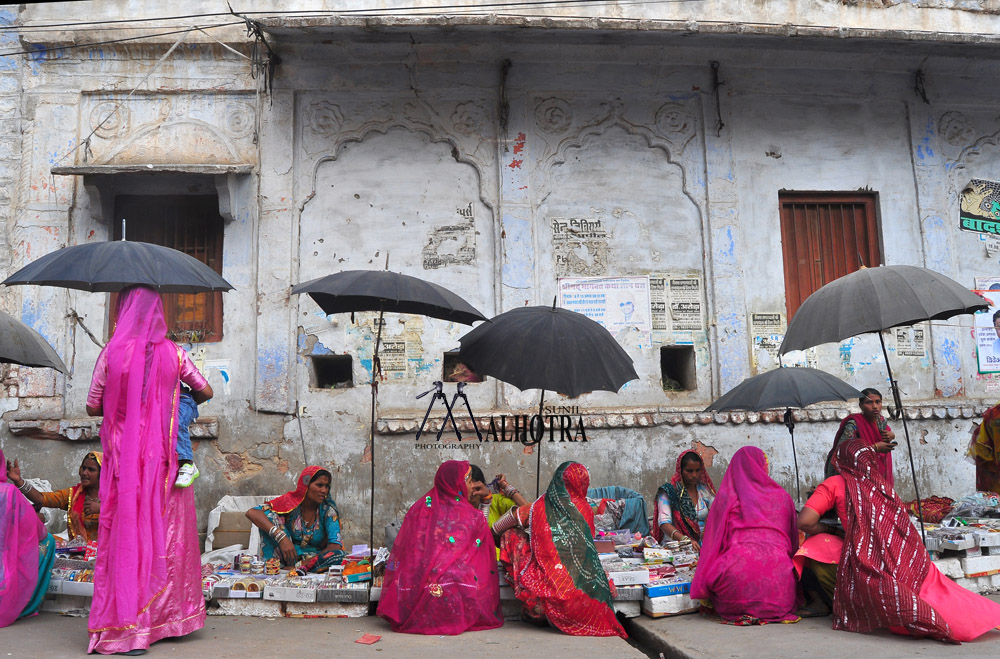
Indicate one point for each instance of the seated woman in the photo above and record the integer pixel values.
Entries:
(81, 502)
(441, 577)
(302, 527)
(745, 569)
(885, 578)
(26, 553)
(547, 550)
(682, 504)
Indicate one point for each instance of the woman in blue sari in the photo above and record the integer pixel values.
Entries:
(302, 527)
(27, 551)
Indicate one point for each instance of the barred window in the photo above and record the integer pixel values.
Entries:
(190, 224)
(824, 236)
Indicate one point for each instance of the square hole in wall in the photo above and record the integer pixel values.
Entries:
(332, 371)
(677, 368)
(453, 370)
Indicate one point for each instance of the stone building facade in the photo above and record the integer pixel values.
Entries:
(497, 155)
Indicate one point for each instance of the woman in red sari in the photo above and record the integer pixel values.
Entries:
(745, 569)
(441, 577)
(547, 549)
(871, 427)
(885, 578)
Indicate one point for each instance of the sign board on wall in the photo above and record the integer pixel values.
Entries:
(676, 306)
(617, 303)
(980, 207)
(767, 331)
(988, 334)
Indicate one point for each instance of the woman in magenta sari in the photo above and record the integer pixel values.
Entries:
(147, 579)
(441, 577)
(745, 569)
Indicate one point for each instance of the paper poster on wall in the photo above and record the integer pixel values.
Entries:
(987, 327)
(767, 331)
(988, 283)
(980, 207)
(676, 306)
(910, 341)
(392, 355)
(579, 246)
(617, 303)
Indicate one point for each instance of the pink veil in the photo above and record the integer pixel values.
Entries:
(20, 533)
(747, 499)
(137, 436)
(441, 577)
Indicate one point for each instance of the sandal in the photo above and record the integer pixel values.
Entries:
(806, 612)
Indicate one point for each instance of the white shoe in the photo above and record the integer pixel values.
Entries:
(186, 474)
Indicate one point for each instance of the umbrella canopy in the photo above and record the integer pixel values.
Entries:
(784, 387)
(550, 349)
(876, 299)
(383, 290)
(19, 344)
(112, 266)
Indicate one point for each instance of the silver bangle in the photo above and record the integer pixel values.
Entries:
(26, 487)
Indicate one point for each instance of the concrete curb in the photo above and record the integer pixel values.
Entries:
(652, 641)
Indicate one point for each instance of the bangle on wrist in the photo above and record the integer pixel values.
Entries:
(25, 487)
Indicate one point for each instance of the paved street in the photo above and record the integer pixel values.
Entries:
(695, 637)
(224, 637)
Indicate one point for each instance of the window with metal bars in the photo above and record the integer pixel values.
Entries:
(190, 224)
(824, 236)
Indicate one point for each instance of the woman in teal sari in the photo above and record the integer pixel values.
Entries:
(682, 503)
(302, 527)
(26, 554)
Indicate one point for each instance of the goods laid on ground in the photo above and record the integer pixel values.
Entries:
(642, 570)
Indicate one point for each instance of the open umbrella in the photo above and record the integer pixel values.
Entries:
(788, 388)
(19, 344)
(547, 348)
(112, 266)
(383, 290)
(877, 299)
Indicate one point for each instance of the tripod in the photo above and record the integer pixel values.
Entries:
(460, 393)
(438, 390)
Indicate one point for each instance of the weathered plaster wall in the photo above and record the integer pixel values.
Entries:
(426, 149)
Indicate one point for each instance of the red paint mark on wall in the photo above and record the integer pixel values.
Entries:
(90, 235)
(515, 164)
(519, 144)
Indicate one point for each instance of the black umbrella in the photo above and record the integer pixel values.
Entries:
(547, 348)
(877, 299)
(19, 344)
(382, 290)
(112, 266)
(788, 388)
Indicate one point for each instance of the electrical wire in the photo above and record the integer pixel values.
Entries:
(47, 49)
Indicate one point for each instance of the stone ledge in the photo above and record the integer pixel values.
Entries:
(86, 429)
(647, 418)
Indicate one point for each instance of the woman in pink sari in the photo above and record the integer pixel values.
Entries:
(147, 579)
(441, 577)
(745, 569)
(26, 553)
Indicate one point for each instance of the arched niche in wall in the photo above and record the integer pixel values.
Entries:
(398, 191)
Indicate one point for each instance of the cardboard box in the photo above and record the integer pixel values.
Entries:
(672, 605)
(654, 590)
(605, 546)
(980, 566)
(342, 594)
(78, 588)
(285, 594)
(629, 593)
(630, 578)
(233, 529)
(987, 539)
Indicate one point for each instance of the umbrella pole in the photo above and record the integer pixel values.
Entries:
(790, 424)
(371, 434)
(538, 451)
(906, 432)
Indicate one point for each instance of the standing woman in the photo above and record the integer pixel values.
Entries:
(148, 571)
(682, 504)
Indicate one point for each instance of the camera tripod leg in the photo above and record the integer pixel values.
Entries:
(427, 414)
(469, 408)
(448, 417)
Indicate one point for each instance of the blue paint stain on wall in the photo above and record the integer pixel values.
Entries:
(272, 363)
(949, 352)
(845, 355)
